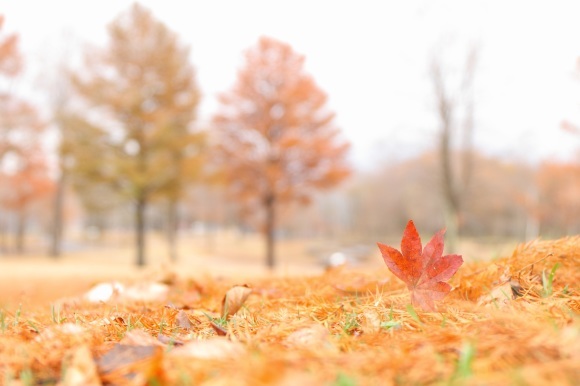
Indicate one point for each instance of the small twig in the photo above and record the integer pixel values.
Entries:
(537, 261)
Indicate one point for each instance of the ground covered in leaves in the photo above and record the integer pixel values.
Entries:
(514, 320)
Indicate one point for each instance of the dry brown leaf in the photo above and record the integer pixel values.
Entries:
(371, 322)
(138, 337)
(213, 348)
(314, 336)
(120, 364)
(234, 299)
(167, 340)
(107, 321)
(59, 330)
(500, 296)
(218, 329)
(103, 292)
(81, 369)
(146, 292)
(183, 320)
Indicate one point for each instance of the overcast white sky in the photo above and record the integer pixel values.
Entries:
(371, 57)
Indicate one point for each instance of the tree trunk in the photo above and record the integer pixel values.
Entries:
(140, 207)
(57, 227)
(450, 193)
(270, 207)
(172, 229)
(455, 185)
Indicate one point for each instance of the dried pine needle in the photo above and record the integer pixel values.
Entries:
(338, 328)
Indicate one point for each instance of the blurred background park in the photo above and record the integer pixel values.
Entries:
(291, 135)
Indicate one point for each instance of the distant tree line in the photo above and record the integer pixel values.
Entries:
(128, 132)
(132, 154)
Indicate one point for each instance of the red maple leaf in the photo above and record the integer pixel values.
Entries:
(423, 270)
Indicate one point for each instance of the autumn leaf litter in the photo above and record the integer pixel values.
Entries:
(507, 321)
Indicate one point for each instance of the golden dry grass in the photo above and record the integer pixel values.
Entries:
(504, 323)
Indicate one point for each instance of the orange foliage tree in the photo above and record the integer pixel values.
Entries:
(28, 182)
(142, 88)
(20, 125)
(10, 59)
(14, 113)
(559, 197)
(20, 129)
(276, 141)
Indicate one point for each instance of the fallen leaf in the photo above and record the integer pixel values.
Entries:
(234, 299)
(138, 337)
(60, 330)
(213, 348)
(123, 363)
(371, 323)
(516, 288)
(183, 320)
(500, 296)
(314, 337)
(423, 270)
(81, 369)
(146, 292)
(108, 321)
(103, 292)
(221, 331)
(169, 340)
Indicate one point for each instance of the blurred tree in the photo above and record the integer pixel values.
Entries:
(454, 106)
(559, 198)
(383, 200)
(59, 93)
(143, 95)
(494, 207)
(497, 201)
(12, 111)
(20, 130)
(276, 141)
(99, 189)
(10, 58)
(28, 181)
(187, 158)
(20, 125)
